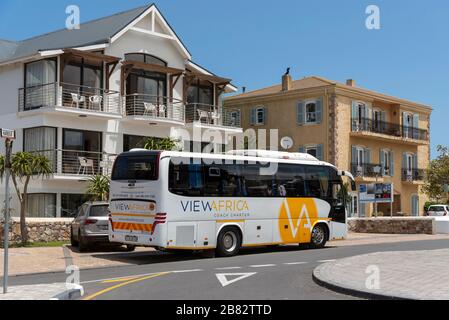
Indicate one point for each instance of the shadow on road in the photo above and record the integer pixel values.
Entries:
(119, 254)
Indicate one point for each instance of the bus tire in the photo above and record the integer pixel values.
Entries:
(319, 237)
(229, 242)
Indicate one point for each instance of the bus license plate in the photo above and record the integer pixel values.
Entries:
(131, 238)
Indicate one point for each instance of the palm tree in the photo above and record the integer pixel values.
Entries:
(25, 165)
(98, 188)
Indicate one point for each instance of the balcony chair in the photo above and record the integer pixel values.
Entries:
(95, 102)
(162, 111)
(77, 99)
(85, 164)
(149, 109)
(215, 116)
(202, 114)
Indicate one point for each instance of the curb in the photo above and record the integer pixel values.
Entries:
(71, 294)
(318, 279)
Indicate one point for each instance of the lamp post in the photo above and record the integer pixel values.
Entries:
(377, 170)
(9, 136)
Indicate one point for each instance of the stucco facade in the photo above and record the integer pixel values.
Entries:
(353, 128)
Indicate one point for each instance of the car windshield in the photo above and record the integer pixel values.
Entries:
(99, 211)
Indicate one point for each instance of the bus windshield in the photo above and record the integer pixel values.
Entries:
(136, 167)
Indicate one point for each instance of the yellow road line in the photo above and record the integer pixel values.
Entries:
(119, 280)
(93, 296)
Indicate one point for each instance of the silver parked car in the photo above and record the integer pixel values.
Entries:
(91, 226)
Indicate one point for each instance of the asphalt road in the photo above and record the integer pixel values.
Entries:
(267, 273)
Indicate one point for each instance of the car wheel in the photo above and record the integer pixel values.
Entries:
(73, 242)
(82, 243)
(319, 236)
(229, 242)
(130, 248)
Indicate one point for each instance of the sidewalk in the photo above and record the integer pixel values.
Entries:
(56, 259)
(417, 275)
(56, 291)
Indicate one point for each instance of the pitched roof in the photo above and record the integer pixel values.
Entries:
(316, 82)
(306, 83)
(98, 31)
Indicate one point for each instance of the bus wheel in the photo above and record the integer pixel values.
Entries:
(319, 236)
(229, 242)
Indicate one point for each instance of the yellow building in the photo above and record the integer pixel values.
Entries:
(354, 128)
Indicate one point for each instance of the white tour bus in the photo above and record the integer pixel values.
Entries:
(189, 201)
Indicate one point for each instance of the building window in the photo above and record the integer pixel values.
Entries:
(314, 150)
(234, 118)
(387, 162)
(309, 112)
(70, 204)
(258, 115)
(40, 78)
(145, 58)
(41, 205)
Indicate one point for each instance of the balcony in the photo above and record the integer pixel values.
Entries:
(77, 164)
(70, 98)
(155, 108)
(209, 115)
(382, 129)
(364, 170)
(413, 175)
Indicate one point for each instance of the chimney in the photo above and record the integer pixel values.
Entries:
(350, 82)
(243, 89)
(286, 81)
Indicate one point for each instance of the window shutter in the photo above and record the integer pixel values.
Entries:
(300, 113)
(415, 161)
(355, 115)
(382, 161)
(319, 152)
(391, 163)
(367, 159)
(319, 110)
(362, 210)
(415, 126)
(354, 155)
(404, 161)
(368, 112)
(302, 149)
(253, 116)
(265, 115)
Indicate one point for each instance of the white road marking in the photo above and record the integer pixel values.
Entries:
(324, 261)
(139, 275)
(222, 277)
(228, 268)
(186, 271)
(263, 266)
(294, 263)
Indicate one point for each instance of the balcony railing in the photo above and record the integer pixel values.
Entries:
(411, 175)
(157, 107)
(70, 96)
(211, 115)
(79, 163)
(391, 129)
(364, 170)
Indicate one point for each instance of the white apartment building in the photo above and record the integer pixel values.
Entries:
(83, 96)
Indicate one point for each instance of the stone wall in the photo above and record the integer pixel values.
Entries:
(409, 225)
(40, 230)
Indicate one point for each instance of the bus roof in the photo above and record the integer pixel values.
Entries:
(248, 155)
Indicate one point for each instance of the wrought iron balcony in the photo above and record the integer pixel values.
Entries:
(411, 175)
(364, 170)
(387, 128)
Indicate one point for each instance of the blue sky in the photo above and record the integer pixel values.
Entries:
(253, 41)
